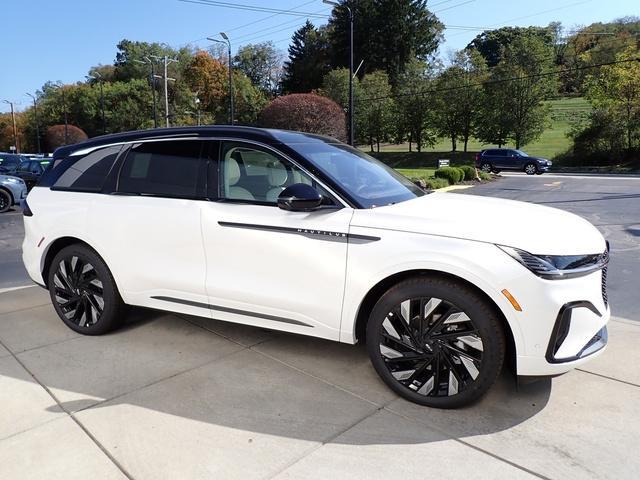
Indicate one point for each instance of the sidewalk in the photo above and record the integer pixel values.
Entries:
(181, 397)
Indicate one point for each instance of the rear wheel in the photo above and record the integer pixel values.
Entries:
(83, 291)
(530, 169)
(436, 342)
(486, 167)
(5, 201)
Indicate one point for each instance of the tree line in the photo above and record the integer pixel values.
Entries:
(494, 90)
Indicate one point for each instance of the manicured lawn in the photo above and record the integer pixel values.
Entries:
(417, 172)
(552, 142)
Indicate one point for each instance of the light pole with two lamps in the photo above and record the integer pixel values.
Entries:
(228, 43)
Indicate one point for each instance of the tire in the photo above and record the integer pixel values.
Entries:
(486, 167)
(530, 169)
(6, 201)
(83, 291)
(418, 363)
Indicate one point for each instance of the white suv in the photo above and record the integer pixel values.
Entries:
(304, 234)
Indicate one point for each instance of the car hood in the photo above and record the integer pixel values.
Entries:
(534, 228)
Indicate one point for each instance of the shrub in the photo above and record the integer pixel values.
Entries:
(430, 183)
(484, 176)
(55, 136)
(451, 174)
(469, 172)
(305, 112)
(462, 174)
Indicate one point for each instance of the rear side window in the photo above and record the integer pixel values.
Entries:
(167, 169)
(88, 174)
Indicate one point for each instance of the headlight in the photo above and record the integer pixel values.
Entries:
(14, 180)
(556, 267)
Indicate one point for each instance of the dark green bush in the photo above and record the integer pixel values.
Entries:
(462, 177)
(469, 172)
(436, 183)
(452, 174)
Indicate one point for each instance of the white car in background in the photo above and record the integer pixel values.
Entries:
(301, 233)
(12, 191)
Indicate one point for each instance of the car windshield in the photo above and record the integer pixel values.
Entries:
(521, 153)
(8, 162)
(370, 182)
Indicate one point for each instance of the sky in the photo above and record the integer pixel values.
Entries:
(61, 41)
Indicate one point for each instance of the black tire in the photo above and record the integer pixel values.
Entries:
(531, 168)
(6, 200)
(83, 291)
(424, 384)
(486, 167)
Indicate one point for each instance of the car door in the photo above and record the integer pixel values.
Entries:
(266, 266)
(148, 227)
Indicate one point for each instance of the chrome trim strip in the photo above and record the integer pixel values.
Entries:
(305, 232)
(235, 311)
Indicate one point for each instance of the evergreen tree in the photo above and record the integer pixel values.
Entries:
(308, 60)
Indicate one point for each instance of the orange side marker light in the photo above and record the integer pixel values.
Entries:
(512, 300)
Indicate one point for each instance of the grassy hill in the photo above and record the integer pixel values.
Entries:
(552, 142)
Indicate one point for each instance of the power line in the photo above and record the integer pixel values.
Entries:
(500, 80)
(255, 8)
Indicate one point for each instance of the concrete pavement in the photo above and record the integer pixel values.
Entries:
(170, 396)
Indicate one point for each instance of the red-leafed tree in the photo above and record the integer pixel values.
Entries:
(305, 112)
(55, 136)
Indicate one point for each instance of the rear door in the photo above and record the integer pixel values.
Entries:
(149, 226)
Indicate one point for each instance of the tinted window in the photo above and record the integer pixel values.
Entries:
(162, 168)
(9, 162)
(496, 153)
(89, 172)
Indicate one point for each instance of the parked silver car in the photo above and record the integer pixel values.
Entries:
(12, 191)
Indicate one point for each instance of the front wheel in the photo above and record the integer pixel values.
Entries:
(5, 201)
(436, 342)
(486, 167)
(530, 169)
(83, 291)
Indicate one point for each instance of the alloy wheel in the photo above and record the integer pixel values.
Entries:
(431, 347)
(79, 291)
(486, 167)
(530, 169)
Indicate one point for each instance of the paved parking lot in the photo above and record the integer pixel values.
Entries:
(171, 396)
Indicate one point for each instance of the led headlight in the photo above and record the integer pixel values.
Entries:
(555, 267)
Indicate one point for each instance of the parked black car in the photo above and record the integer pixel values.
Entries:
(31, 170)
(497, 159)
(9, 163)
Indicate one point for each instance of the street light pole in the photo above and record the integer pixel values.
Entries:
(228, 43)
(153, 87)
(351, 74)
(35, 110)
(98, 77)
(15, 130)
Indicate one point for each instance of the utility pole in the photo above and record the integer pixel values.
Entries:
(351, 73)
(166, 60)
(35, 110)
(98, 77)
(228, 43)
(197, 102)
(15, 130)
(153, 87)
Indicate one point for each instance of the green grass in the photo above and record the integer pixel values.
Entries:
(553, 141)
(417, 172)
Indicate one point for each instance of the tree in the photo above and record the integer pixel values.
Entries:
(516, 91)
(388, 34)
(56, 136)
(615, 91)
(416, 105)
(209, 78)
(375, 111)
(249, 100)
(335, 85)
(308, 60)
(262, 64)
(491, 44)
(305, 112)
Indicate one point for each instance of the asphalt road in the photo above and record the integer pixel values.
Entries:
(611, 203)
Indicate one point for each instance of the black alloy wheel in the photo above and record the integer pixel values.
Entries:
(436, 342)
(83, 291)
(5, 201)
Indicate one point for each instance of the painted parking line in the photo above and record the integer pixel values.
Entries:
(11, 289)
(573, 175)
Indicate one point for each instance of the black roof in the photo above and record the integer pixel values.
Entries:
(264, 135)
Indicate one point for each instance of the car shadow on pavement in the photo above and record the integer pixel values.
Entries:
(247, 379)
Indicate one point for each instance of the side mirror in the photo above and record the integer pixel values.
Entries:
(299, 197)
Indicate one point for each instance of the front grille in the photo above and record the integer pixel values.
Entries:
(604, 286)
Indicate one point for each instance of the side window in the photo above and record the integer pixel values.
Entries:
(167, 169)
(35, 168)
(24, 167)
(250, 174)
(88, 173)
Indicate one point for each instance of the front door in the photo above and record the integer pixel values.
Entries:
(267, 266)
